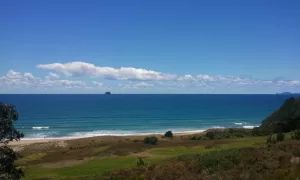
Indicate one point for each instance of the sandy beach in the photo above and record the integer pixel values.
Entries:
(102, 138)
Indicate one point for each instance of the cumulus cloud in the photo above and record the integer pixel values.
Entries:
(137, 78)
(24, 80)
(289, 83)
(143, 84)
(13, 75)
(99, 84)
(80, 69)
(52, 76)
(205, 77)
(136, 85)
(187, 77)
(83, 69)
(28, 76)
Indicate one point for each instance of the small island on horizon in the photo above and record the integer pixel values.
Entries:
(107, 93)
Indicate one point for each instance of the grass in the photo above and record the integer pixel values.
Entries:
(181, 150)
(30, 158)
(97, 166)
(175, 151)
(101, 165)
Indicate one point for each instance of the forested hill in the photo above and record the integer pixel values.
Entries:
(285, 119)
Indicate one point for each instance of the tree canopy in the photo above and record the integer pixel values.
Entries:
(8, 170)
(285, 119)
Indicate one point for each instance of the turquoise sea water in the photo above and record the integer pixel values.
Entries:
(61, 116)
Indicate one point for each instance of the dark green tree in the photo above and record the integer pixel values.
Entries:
(169, 134)
(8, 170)
(285, 119)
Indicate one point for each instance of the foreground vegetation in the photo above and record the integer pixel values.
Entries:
(177, 158)
(97, 159)
(275, 162)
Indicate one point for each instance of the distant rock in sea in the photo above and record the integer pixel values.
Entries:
(107, 93)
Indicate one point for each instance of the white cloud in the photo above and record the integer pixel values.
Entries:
(83, 69)
(90, 70)
(205, 77)
(136, 78)
(18, 80)
(28, 75)
(187, 77)
(289, 83)
(143, 85)
(99, 84)
(13, 75)
(136, 85)
(52, 76)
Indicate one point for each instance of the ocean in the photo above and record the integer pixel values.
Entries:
(75, 116)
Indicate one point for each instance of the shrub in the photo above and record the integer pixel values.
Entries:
(169, 134)
(151, 140)
(272, 139)
(195, 138)
(269, 140)
(205, 138)
(140, 162)
(210, 135)
(280, 137)
(296, 135)
(218, 160)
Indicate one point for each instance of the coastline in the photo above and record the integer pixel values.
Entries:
(128, 134)
(110, 138)
(103, 137)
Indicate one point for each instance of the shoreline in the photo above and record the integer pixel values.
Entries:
(46, 140)
(109, 137)
(87, 135)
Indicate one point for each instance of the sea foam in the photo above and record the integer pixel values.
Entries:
(41, 127)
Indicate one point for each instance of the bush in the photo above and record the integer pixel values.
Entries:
(269, 140)
(210, 135)
(140, 162)
(296, 135)
(195, 138)
(280, 137)
(218, 160)
(272, 139)
(169, 134)
(151, 140)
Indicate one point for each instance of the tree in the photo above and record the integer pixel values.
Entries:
(285, 119)
(169, 134)
(8, 170)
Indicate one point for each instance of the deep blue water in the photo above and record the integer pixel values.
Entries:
(48, 116)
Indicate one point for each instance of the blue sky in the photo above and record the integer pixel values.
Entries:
(152, 46)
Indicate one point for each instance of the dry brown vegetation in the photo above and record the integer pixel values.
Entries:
(273, 162)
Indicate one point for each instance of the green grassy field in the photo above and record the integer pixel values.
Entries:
(64, 164)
